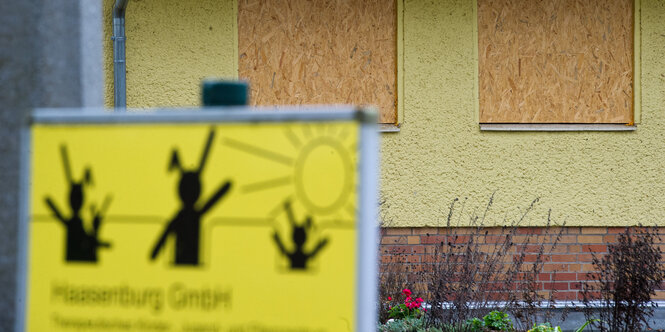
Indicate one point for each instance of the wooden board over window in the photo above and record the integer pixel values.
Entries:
(555, 61)
(319, 52)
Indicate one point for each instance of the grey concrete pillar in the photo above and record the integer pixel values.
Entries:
(51, 56)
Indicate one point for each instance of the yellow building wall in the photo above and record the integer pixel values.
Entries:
(585, 178)
(171, 46)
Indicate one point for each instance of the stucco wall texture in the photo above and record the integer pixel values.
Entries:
(171, 46)
(585, 178)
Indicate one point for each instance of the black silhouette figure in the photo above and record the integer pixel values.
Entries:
(186, 225)
(298, 257)
(82, 245)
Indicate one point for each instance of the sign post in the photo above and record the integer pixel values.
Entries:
(224, 220)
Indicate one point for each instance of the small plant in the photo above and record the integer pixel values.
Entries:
(544, 327)
(410, 308)
(408, 324)
(493, 321)
(547, 327)
(497, 321)
(474, 324)
(625, 279)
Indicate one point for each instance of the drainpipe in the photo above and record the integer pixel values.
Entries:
(119, 68)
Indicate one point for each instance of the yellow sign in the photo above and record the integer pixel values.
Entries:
(193, 227)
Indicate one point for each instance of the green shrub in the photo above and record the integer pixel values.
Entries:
(497, 321)
(475, 325)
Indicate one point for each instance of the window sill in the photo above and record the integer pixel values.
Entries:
(555, 127)
(388, 128)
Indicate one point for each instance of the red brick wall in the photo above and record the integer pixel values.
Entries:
(565, 264)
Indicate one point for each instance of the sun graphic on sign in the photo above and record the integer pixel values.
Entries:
(321, 168)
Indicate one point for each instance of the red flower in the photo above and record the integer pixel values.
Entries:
(406, 292)
(420, 300)
(390, 298)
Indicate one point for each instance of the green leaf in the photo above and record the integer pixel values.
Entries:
(587, 323)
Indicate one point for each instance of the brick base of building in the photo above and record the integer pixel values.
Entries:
(564, 266)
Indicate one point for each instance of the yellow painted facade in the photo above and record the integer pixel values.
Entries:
(586, 178)
(171, 46)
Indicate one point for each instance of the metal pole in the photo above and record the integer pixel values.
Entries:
(119, 67)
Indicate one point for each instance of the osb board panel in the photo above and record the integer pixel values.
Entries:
(319, 52)
(555, 61)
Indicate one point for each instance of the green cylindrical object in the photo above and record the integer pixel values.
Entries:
(225, 93)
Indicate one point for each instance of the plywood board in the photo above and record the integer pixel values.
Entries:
(319, 52)
(555, 61)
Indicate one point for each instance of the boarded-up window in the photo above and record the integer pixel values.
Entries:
(319, 52)
(555, 61)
